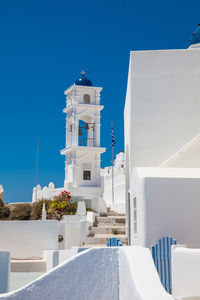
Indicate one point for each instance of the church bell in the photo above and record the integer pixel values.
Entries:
(86, 126)
(80, 132)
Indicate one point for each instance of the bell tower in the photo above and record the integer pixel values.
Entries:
(83, 151)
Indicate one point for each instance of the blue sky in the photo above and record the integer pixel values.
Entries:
(43, 47)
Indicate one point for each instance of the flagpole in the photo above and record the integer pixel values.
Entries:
(112, 169)
(37, 166)
(112, 180)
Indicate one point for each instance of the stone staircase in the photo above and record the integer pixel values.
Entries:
(106, 227)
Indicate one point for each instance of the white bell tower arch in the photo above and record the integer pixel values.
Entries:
(83, 151)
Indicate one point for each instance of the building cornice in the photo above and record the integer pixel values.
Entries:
(81, 148)
(87, 106)
(81, 87)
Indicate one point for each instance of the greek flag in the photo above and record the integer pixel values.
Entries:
(113, 138)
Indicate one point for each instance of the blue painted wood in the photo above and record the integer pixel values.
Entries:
(161, 253)
(167, 278)
(114, 242)
(162, 257)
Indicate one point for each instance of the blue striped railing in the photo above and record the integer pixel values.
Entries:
(114, 242)
(161, 253)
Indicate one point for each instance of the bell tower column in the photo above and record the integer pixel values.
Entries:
(83, 153)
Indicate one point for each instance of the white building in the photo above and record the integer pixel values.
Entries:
(83, 151)
(162, 130)
(166, 202)
(1, 193)
(114, 186)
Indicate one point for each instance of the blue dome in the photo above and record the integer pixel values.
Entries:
(195, 37)
(83, 80)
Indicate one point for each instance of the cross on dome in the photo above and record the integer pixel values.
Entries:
(82, 80)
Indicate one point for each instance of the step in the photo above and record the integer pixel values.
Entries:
(103, 238)
(114, 213)
(28, 265)
(105, 229)
(94, 245)
(103, 214)
(111, 219)
(99, 245)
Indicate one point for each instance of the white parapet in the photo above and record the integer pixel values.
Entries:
(75, 233)
(185, 273)
(28, 239)
(114, 187)
(81, 208)
(122, 273)
(52, 259)
(4, 271)
(46, 193)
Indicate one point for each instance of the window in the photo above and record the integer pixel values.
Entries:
(86, 99)
(135, 215)
(86, 175)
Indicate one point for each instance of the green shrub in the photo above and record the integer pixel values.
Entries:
(61, 205)
(89, 208)
(115, 231)
(75, 205)
(4, 210)
(21, 212)
(37, 208)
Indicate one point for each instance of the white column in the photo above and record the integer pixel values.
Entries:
(68, 133)
(97, 169)
(97, 97)
(75, 123)
(74, 167)
(90, 136)
(97, 126)
(66, 170)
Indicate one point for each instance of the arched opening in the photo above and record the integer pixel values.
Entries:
(86, 99)
(85, 134)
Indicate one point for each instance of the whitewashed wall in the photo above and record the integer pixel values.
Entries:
(45, 193)
(75, 233)
(81, 277)
(101, 273)
(28, 239)
(167, 205)
(91, 195)
(185, 272)
(187, 157)
(162, 105)
(161, 114)
(119, 189)
(138, 276)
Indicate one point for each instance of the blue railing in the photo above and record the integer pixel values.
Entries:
(161, 253)
(114, 242)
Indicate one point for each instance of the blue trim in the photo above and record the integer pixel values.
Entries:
(112, 242)
(161, 254)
